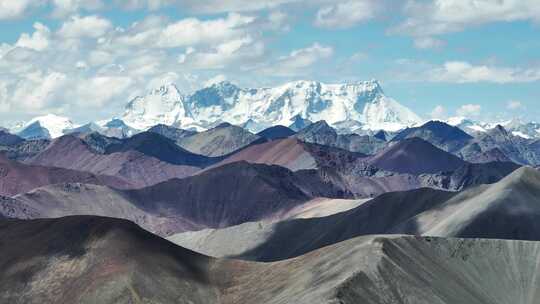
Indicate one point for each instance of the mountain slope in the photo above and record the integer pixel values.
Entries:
(103, 260)
(18, 178)
(415, 156)
(276, 132)
(160, 147)
(171, 133)
(293, 154)
(97, 260)
(218, 141)
(323, 134)
(139, 169)
(439, 134)
(508, 209)
(224, 196)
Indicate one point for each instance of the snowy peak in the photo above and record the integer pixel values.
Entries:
(161, 105)
(350, 104)
(47, 126)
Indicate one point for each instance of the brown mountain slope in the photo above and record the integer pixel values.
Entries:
(225, 196)
(140, 169)
(18, 178)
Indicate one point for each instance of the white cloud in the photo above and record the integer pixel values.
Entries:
(434, 17)
(469, 110)
(66, 7)
(220, 6)
(38, 41)
(239, 50)
(95, 91)
(464, 72)
(193, 31)
(514, 105)
(37, 90)
(294, 63)
(89, 26)
(439, 112)
(10, 9)
(346, 14)
(428, 43)
(216, 79)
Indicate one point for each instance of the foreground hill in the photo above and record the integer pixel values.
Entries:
(137, 167)
(103, 260)
(18, 178)
(97, 260)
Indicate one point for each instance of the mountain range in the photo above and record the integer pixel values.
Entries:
(350, 108)
(328, 194)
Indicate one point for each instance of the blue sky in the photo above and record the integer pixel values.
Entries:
(86, 58)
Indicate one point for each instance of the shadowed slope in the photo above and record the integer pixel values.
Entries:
(225, 196)
(509, 209)
(415, 156)
(160, 147)
(276, 132)
(18, 178)
(104, 260)
(399, 269)
(97, 260)
(439, 134)
(140, 169)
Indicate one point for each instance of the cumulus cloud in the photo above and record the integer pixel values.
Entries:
(439, 112)
(38, 41)
(89, 26)
(428, 43)
(435, 17)
(346, 14)
(464, 72)
(64, 8)
(224, 54)
(10, 9)
(295, 62)
(514, 105)
(468, 110)
(193, 31)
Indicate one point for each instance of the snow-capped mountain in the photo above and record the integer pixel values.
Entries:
(468, 125)
(164, 105)
(518, 127)
(47, 126)
(357, 104)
